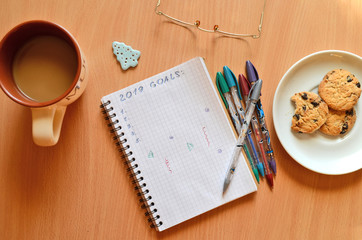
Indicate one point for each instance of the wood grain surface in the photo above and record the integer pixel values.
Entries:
(79, 189)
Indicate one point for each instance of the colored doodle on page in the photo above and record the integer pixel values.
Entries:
(190, 146)
(205, 135)
(167, 162)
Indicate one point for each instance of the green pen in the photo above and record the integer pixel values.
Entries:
(224, 92)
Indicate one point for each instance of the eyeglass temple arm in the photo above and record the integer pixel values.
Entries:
(216, 27)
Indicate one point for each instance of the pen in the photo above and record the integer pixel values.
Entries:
(254, 76)
(257, 163)
(236, 95)
(257, 134)
(225, 95)
(254, 97)
(227, 98)
(245, 89)
(265, 131)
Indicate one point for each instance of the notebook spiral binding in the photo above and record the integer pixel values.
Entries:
(143, 193)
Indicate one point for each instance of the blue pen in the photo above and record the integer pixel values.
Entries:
(253, 76)
(235, 92)
(226, 97)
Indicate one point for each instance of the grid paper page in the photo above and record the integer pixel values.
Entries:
(182, 141)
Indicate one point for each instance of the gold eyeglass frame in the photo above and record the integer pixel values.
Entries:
(216, 27)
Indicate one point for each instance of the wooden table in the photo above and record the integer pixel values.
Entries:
(79, 188)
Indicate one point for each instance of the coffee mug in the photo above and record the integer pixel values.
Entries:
(42, 67)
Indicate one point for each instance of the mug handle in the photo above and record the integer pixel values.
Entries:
(47, 123)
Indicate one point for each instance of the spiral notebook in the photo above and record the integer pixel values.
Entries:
(177, 141)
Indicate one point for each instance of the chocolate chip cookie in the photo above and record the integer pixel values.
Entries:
(338, 122)
(310, 113)
(340, 89)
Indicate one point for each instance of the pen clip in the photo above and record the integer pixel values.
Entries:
(259, 107)
(222, 87)
(232, 80)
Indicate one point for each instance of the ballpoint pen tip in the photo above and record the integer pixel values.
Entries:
(269, 178)
(273, 166)
(256, 174)
(260, 168)
(226, 184)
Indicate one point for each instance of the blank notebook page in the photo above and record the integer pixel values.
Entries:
(182, 142)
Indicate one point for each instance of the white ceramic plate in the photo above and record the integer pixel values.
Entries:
(318, 152)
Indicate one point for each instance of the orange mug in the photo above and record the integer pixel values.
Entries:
(42, 67)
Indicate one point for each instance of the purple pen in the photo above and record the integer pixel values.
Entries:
(253, 76)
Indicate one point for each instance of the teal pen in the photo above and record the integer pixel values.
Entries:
(236, 94)
(224, 92)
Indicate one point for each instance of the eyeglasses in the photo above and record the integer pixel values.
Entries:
(216, 27)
